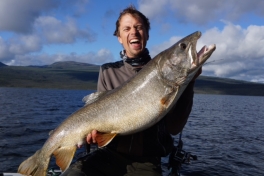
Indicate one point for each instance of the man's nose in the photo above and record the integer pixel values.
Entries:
(134, 30)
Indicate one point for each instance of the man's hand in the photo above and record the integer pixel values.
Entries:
(91, 137)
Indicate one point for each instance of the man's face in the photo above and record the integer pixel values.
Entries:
(132, 35)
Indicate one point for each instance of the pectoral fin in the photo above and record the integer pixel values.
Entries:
(103, 139)
(64, 156)
(167, 99)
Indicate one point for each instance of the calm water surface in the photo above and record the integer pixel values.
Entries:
(225, 132)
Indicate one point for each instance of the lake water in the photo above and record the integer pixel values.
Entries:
(225, 132)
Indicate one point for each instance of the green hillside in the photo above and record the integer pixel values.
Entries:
(70, 75)
(214, 85)
(75, 75)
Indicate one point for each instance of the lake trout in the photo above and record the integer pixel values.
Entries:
(148, 97)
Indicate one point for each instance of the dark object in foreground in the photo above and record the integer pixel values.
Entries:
(179, 157)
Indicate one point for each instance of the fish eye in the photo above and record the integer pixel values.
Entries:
(183, 46)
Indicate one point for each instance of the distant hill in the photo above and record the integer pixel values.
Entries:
(224, 86)
(70, 64)
(61, 75)
(75, 75)
(2, 65)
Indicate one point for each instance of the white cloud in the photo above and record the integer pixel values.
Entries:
(4, 51)
(55, 31)
(153, 8)
(19, 16)
(25, 44)
(239, 51)
(99, 57)
(158, 48)
(29, 30)
(200, 12)
(102, 56)
(18, 45)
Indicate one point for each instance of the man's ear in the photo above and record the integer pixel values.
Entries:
(120, 40)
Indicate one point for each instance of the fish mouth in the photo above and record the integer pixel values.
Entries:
(199, 58)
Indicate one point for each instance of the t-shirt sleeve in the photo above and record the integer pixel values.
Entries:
(101, 85)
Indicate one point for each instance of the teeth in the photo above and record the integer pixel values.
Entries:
(134, 40)
(190, 54)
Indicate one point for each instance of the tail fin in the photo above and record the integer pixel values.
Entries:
(34, 165)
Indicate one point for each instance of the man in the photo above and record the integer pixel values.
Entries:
(140, 153)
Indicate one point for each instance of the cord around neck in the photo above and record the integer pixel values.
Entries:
(135, 62)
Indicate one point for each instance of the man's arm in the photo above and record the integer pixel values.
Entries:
(101, 86)
(178, 116)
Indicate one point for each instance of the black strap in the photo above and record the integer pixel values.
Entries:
(142, 60)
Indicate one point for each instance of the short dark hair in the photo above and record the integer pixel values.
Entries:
(135, 13)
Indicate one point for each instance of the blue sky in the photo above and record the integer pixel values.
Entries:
(46, 31)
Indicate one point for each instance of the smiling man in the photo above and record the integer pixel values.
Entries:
(139, 153)
(132, 34)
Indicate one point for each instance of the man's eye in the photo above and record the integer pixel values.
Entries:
(139, 27)
(126, 29)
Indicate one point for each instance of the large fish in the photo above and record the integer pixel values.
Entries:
(148, 97)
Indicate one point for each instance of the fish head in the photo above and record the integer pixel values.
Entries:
(180, 62)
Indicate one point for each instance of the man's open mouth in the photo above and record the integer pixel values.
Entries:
(134, 41)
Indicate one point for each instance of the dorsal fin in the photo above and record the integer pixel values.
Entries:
(88, 99)
(51, 132)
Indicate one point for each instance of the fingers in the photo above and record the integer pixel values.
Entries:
(88, 138)
(91, 137)
(94, 132)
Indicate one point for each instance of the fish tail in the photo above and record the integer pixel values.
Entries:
(34, 165)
